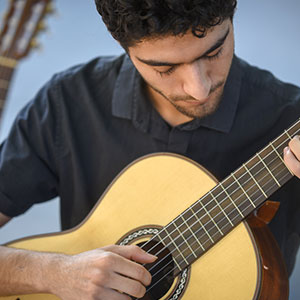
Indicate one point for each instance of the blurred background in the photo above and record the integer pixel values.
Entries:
(267, 35)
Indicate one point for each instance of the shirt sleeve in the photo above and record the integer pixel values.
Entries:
(28, 156)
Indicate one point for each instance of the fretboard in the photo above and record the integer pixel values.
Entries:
(203, 224)
(7, 67)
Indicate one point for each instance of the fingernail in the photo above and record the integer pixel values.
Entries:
(148, 253)
(154, 256)
(286, 150)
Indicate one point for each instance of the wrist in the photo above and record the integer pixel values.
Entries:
(54, 272)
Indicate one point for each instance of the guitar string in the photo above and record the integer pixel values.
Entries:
(220, 212)
(214, 233)
(222, 192)
(152, 286)
(200, 236)
(7, 74)
(210, 220)
(242, 194)
(191, 236)
(172, 270)
(273, 151)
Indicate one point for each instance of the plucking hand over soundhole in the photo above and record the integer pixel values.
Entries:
(164, 279)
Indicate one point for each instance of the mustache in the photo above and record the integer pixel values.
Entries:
(186, 98)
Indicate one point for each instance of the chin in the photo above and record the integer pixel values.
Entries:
(203, 110)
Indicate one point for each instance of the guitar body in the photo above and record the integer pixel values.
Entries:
(149, 194)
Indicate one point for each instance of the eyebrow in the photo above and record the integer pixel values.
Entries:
(156, 63)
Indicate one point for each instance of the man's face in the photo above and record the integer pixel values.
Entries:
(185, 75)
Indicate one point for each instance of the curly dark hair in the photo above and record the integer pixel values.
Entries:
(130, 21)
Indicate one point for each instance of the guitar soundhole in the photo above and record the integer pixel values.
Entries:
(161, 270)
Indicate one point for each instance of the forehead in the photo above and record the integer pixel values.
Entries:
(176, 48)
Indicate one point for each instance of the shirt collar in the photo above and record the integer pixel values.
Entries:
(129, 100)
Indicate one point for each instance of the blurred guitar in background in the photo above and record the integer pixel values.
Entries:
(19, 27)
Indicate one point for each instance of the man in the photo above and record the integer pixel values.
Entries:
(190, 96)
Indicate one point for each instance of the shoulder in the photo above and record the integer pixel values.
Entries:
(80, 85)
(104, 68)
(261, 82)
(266, 107)
(266, 99)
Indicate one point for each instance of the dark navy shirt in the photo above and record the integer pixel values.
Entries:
(87, 123)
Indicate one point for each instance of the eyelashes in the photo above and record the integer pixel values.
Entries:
(215, 56)
(168, 72)
(209, 58)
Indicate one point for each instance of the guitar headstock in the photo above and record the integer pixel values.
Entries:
(22, 22)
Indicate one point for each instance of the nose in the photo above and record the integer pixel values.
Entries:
(196, 82)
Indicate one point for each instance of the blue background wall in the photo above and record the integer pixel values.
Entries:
(267, 35)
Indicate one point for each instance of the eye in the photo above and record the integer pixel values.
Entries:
(214, 56)
(168, 72)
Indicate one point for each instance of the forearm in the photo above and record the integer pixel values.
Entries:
(26, 272)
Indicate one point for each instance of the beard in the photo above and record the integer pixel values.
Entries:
(196, 110)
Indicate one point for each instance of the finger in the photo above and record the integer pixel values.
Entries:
(294, 146)
(132, 252)
(132, 270)
(291, 161)
(127, 285)
(112, 295)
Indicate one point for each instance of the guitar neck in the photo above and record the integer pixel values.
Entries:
(7, 67)
(203, 224)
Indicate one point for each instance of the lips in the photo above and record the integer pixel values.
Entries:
(194, 102)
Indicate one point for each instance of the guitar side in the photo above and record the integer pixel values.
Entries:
(151, 192)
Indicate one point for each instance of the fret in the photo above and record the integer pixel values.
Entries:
(227, 206)
(8, 62)
(211, 218)
(241, 187)
(196, 227)
(204, 223)
(287, 133)
(198, 219)
(220, 207)
(180, 228)
(274, 163)
(176, 242)
(275, 151)
(248, 184)
(295, 128)
(162, 239)
(229, 197)
(237, 195)
(267, 168)
(258, 185)
(193, 234)
(264, 179)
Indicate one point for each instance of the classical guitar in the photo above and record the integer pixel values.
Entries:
(211, 238)
(22, 22)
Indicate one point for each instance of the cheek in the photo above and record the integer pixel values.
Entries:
(220, 68)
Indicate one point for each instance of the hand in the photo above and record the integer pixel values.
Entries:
(110, 273)
(292, 156)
